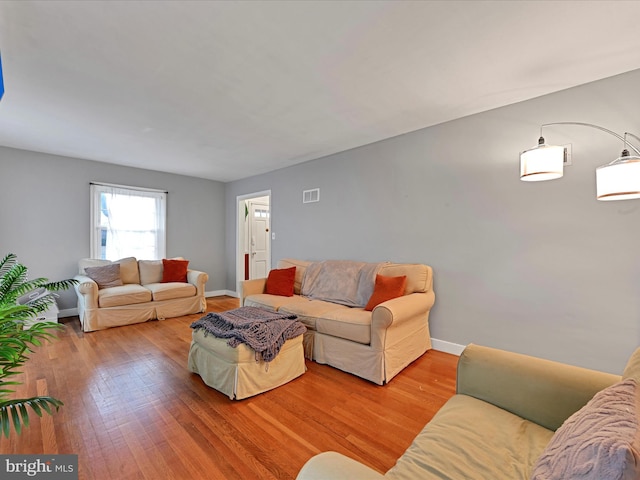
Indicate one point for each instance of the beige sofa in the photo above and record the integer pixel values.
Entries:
(502, 418)
(375, 345)
(142, 296)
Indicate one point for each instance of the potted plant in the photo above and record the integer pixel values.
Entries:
(16, 341)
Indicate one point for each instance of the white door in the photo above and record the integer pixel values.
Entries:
(259, 244)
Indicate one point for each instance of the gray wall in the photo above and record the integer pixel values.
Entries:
(539, 268)
(44, 214)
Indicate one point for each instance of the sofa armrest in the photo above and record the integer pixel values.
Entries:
(397, 309)
(539, 390)
(333, 465)
(251, 287)
(87, 290)
(199, 279)
(399, 315)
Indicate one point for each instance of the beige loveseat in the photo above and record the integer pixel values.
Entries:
(142, 296)
(503, 423)
(375, 345)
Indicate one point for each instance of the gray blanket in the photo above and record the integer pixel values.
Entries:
(264, 331)
(340, 281)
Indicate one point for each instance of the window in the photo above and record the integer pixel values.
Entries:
(127, 222)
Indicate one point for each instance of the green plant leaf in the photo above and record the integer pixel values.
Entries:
(16, 343)
(17, 411)
(7, 263)
(4, 421)
(16, 420)
(35, 407)
(25, 414)
(61, 285)
(9, 383)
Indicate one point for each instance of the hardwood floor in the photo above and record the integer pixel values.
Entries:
(133, 410)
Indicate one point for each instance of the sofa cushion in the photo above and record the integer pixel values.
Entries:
(171, 290)
(310, 311)
(386, 288)
(150, 271)
(174, 270)
(129, 270)
(301, 268)
(280, 282)
(601, 440)
(419, 276)
(469, 438)
(271, 302)
(106, 275)
(124, 295)
(349, 323)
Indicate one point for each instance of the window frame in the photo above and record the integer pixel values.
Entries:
(95, 237)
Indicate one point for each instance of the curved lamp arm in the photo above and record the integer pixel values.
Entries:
(606, 130)
(634, 136)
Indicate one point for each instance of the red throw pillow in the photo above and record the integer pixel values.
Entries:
(280, 282)
(174, 270)
(385, 289)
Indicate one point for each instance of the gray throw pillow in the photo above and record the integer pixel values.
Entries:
(600, 441)
(105, 276)
(150, 271)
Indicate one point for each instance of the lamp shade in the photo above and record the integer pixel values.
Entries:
(543, 162)
(619, 180)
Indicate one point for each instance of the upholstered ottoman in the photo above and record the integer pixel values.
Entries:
(235, 371)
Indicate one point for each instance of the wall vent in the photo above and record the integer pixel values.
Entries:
(310, 196)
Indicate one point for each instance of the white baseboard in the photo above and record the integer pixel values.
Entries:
(68, 312)
(219, 293)
(447, 347)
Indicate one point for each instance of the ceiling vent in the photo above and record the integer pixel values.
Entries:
(311, 196)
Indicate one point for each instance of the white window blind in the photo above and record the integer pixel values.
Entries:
(127, 222)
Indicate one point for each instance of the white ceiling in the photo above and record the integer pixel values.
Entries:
(227, 90)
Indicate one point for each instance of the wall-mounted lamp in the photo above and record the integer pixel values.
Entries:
(617, 180)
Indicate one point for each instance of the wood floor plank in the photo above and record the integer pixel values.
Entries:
(132, 410)
(49, 442)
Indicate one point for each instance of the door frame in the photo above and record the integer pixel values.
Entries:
(240, 199)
